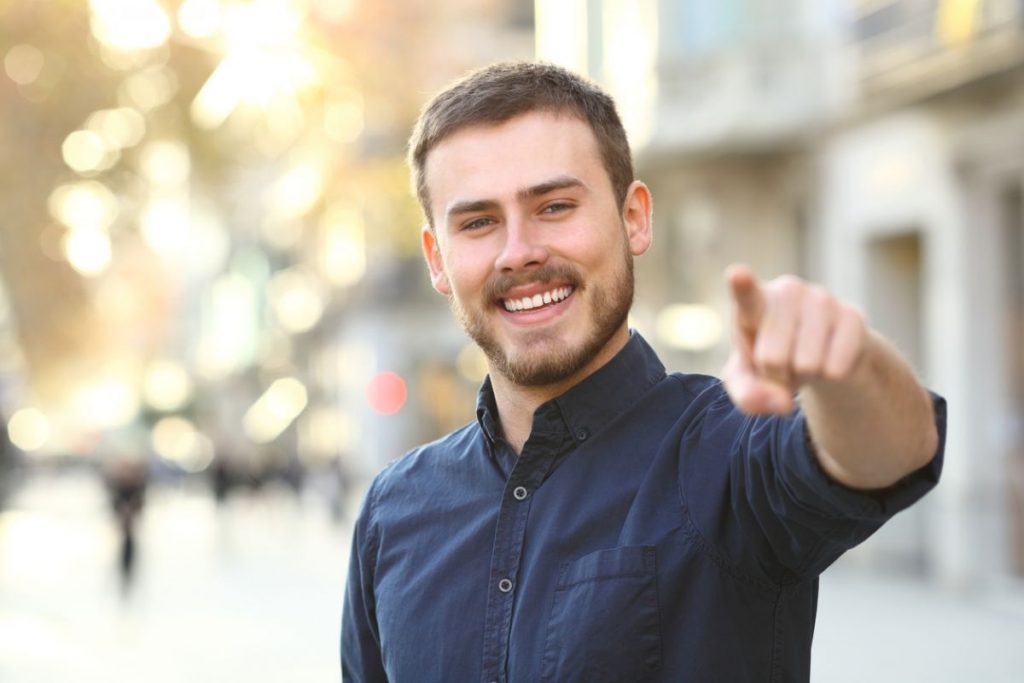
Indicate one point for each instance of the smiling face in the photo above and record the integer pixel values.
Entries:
(531, 247)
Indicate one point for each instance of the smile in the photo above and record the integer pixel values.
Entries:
(537, 300)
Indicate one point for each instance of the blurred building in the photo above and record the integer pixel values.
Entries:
(876, 147)
(212, 253)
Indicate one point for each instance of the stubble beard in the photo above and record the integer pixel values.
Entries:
(609, 309)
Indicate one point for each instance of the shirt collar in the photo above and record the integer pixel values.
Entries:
(595, 401)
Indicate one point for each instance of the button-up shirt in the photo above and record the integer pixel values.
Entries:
(648, 531)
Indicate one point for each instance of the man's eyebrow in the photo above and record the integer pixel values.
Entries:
(562, 182)
(539, 190)
(471, 206)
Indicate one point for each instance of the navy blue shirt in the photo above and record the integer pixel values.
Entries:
(647, 532)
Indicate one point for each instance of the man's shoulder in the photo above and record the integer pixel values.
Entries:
(707, 388)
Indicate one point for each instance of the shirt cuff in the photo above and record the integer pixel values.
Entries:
(807, 477)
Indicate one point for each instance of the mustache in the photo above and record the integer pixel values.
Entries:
(498, 285)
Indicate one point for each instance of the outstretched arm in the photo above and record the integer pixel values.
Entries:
(869, 418)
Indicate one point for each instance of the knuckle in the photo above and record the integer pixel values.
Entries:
(835, 372)
(807, 367)
(789, 285)
(770, 358)
(819, 297)
(854, 316)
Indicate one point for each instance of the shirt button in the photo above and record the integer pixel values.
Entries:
(520, 493)
(505, 585)
(582, 433)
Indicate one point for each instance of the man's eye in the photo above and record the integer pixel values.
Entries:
(477, 223)
(557, 207)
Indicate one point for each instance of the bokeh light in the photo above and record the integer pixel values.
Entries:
(165, 225)
(275, 410)
(88, 250)
(85, 151)
(165, 163)
(106, 403)
(177, 439)
(200, 18)
(472, 363)
(166, 385)
(386, 393)
(29, 429)
(130, 24)
(689, 327)
(119, 128)
(343, 246)
(23, 63)
(86, 204)
(297, 300)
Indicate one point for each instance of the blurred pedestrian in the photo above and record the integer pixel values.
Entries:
(222, 478)
(126, 480)
(602, 520)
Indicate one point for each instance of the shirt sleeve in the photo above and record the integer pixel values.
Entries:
(754, 489)
(361, 660)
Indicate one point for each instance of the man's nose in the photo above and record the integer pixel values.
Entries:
(523, 247)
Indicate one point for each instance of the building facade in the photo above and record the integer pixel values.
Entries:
(878, 148)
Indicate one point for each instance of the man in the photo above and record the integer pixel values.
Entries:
(602, 520)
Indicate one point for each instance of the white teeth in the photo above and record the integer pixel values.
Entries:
(537, 300)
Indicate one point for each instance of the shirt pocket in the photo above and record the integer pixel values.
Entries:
(605, 623)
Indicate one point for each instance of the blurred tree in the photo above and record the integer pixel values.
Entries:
(149, 148)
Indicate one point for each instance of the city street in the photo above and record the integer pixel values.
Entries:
(249, 592)
(252, 592)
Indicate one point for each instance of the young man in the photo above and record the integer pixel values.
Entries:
(602, 520)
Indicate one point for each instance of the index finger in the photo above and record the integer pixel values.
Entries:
(747, 296)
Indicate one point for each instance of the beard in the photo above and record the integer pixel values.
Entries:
(552, 360)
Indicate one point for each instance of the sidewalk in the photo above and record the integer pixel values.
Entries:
(892, 630)
(252, 592)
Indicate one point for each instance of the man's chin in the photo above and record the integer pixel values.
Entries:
(541, 363)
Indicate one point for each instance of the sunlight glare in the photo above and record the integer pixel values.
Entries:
(87, 204)
(165, 225)
(106, 404)
(129, 24)
(87, 250)
(85, 152)
(119, 128)
(29, 429)
(343, 256)
(200, 18)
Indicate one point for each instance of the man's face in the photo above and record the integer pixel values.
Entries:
(531, 247)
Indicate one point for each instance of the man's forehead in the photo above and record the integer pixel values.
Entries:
(524, 151)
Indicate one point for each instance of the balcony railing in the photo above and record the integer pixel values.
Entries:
(911, 49)
(750, 98)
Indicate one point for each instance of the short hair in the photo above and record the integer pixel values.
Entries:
(500, 92)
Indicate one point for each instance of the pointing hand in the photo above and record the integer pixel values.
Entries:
(787, 333)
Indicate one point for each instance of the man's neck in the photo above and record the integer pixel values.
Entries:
(517, 403)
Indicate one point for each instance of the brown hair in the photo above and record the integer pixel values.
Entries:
(500, 92)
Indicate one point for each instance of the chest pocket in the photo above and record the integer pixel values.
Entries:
(605, 625)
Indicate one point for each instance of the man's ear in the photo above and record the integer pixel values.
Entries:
(432, 254)
(636, 216)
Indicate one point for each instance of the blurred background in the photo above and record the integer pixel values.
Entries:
(215, 325)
